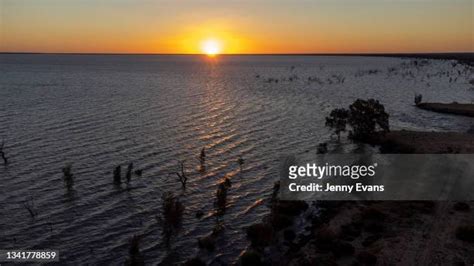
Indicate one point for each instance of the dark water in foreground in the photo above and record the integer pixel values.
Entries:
(96, 112)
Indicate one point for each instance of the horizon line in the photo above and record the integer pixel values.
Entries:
(251, 54)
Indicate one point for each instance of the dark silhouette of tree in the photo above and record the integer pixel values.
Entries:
(337, 120)
(135, 257)
(171, 216)
(418, 98)
(2, 153)
(68, 177)
(118, 175)
(365, 117)
(202, 156)
(202, 161)
(128, 175)
(241, 162)
(183, 179)
(275, 191)
(221, 196)
(29, 206)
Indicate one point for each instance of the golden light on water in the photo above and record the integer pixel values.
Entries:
(211, 47)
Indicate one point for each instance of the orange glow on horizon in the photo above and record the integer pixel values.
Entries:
(213, 38)
(236, 27)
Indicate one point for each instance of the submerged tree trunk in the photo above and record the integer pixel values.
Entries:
(2, 153)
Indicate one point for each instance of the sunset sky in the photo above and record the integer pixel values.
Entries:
(244, 26)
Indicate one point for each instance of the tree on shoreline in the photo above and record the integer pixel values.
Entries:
(365, 117)
(337, 120)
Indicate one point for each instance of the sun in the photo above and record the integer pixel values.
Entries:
(211, 47)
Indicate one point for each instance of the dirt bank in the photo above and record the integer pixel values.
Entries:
(390, 233)
(405, 141)
(449, 108)
(384, 232)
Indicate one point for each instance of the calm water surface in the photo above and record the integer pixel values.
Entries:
(96, 112)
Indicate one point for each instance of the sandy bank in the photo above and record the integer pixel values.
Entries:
(405, 141)
(449, 108)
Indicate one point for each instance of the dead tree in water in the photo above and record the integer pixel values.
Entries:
(135, 257)
(68, 177)
(129, 172)
(118, 175)
(29, 206)
(221, 196)
(418, 99)
(241, 162)
(202, 157)
(171, 216)
(202, 160)
(2, 153)
(182, 176)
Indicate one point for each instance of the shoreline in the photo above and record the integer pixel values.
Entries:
(420, 142)
(383, 233)
(465, 109)
(375, 232)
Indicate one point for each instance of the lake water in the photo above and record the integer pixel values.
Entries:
(98, 111)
